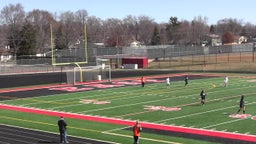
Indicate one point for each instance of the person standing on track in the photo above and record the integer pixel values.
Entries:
(203, 95)
(136, 132)
(63, 130)
(241, 105)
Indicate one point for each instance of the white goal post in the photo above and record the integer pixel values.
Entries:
(89, 73)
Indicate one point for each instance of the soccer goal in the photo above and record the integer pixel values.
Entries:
(89, 73)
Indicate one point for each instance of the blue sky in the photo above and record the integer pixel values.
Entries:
(159, 10)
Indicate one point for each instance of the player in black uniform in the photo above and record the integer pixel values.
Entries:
(186, 80)
(203, 95)
(241, 105)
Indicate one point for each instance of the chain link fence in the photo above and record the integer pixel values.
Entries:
(162, 56)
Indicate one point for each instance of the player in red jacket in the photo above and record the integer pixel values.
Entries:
(136, 132)
(143, 80)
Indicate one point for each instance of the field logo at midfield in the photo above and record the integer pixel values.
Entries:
(162, 108)
(94, 102)
(240, 116)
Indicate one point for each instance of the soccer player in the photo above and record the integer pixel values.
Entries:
(186, 80)
(225, 81)
(168, 82)
(203, 95)
(241, 105)
(136, 132)
(142, 79)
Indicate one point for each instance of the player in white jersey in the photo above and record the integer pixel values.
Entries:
(168, 82)
(225, 81)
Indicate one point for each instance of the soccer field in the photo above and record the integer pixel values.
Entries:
(106, 111)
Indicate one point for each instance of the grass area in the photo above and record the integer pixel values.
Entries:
(132, 103)
(232, 62)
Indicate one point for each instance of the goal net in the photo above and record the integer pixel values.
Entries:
(89, 73)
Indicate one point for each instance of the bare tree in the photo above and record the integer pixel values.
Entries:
(41, 21)
(184, 35)
(130, 25)
(146, 28)
(249, 30)
(232, 25)
(114, 32)
(70, 29)
(13, 16)
(95, 32)
(3, 36)
(163, 33)
(81, 18)
(199, 28)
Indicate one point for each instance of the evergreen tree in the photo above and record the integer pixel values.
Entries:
(156, 40)
(27, 44)
(60, 40)
(172, 28)
(212, 29)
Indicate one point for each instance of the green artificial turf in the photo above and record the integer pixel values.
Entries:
(130, 102)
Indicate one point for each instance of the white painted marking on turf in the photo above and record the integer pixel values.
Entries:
(93, 96)
(154, 101)
(132, 104)
(126, 105)
(143, 138)
(227, 122)
(72, 105)
(194, 114)
(117, 129)
(171, 98)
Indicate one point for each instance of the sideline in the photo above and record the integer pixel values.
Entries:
(143, 138)
(212, 133)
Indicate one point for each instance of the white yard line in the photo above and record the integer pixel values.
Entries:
(104, 94)
(171, 98)
(226, 122)
(66, 106)
(194, 114)
(142, 138)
